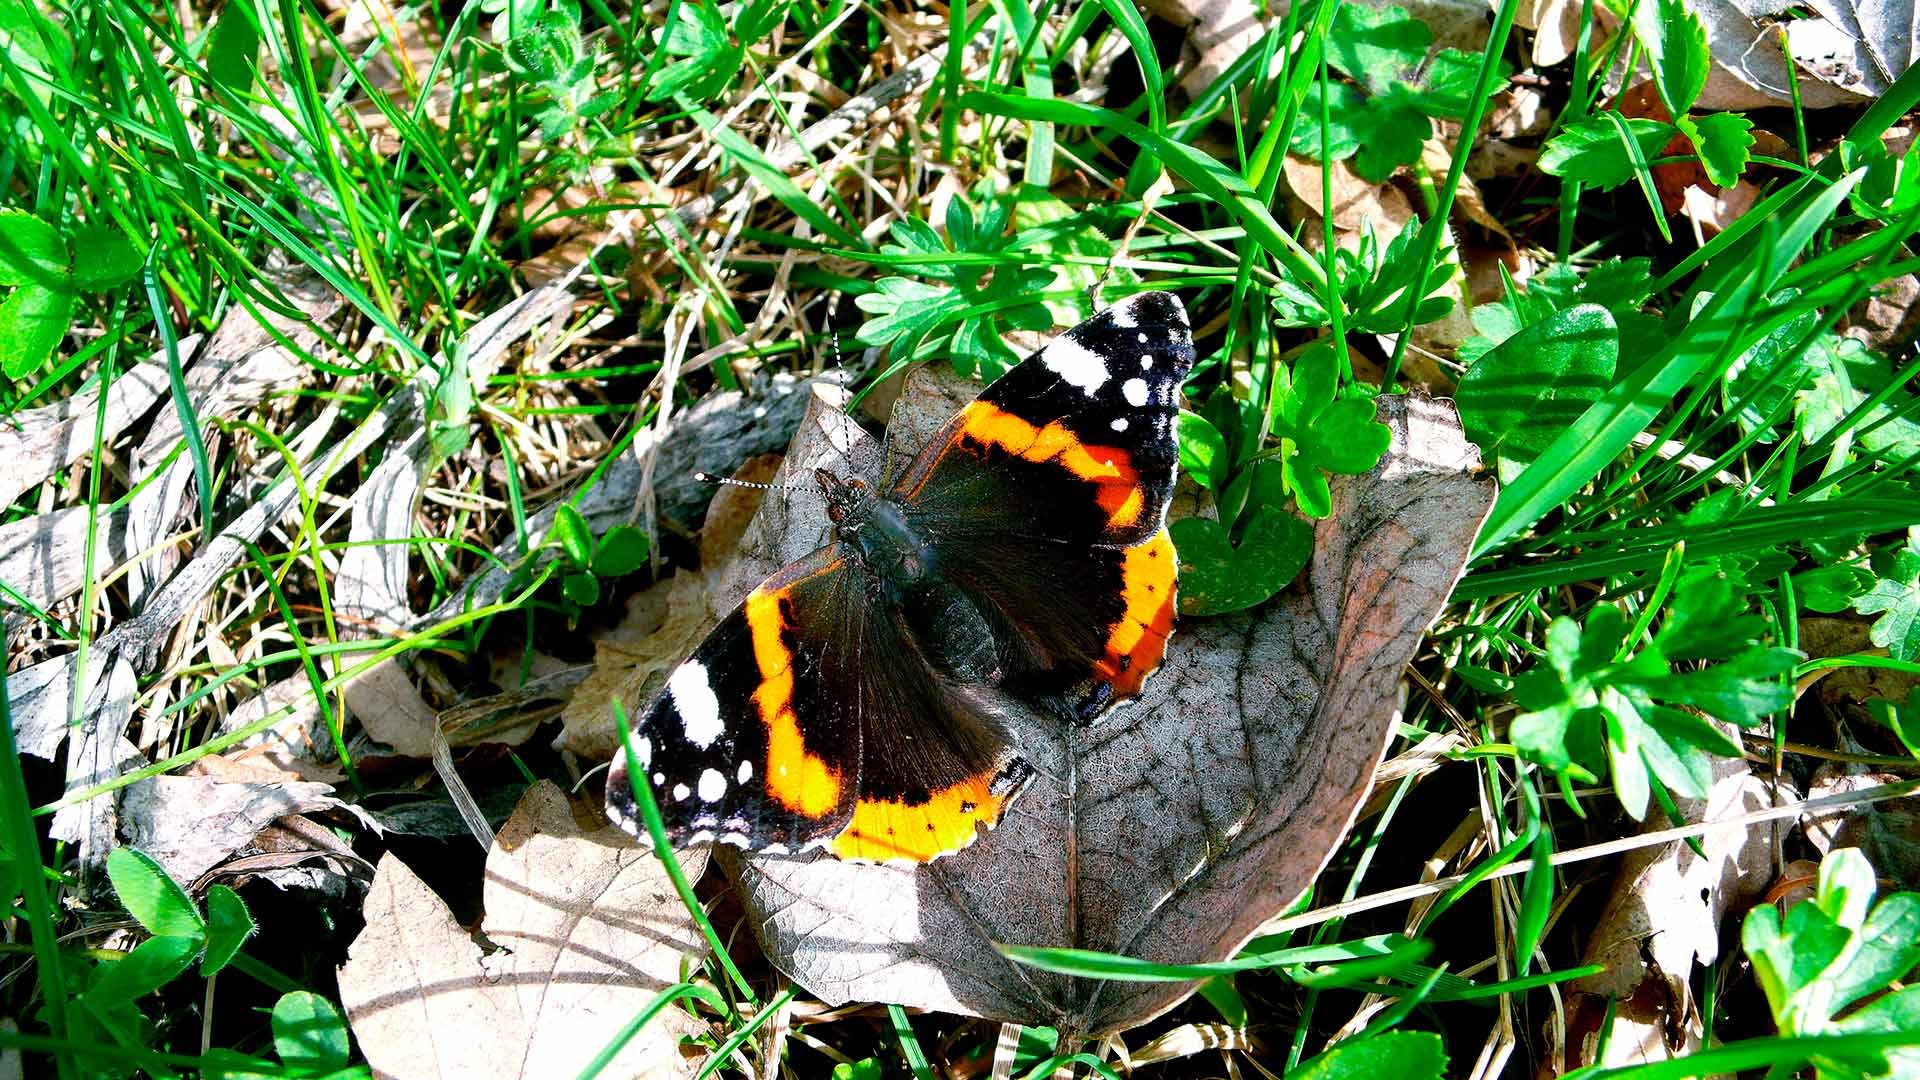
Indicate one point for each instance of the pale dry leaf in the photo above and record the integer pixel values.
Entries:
(1665, 915)
(99, 751)
(1173, 829)
(1749, 70)
(588, 929)
(191, 824)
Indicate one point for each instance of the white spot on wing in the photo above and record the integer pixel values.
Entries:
(680, 792)
(643, 750)
(1143, 337)
(1075, 364)
(712, 785)
(659, 778)
(1135, 391)
(1146, 363)
(693, 698)
(1119, 424)
(745, 773)
(1123, 316)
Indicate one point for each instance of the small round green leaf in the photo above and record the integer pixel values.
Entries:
(150, 896)
(581, 588)
(309, 1033)
(33, 322)
(1217, 577)
(31, 251)
(103, 258)
(229, 924)
(622, 551)
(1515, 400)
(570, 529)
(1203, 450)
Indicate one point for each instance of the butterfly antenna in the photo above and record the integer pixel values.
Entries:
(728, 481)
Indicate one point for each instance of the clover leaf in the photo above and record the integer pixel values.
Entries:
(1319, 433)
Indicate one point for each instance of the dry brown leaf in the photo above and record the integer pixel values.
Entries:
(1357, 204)
(1664, 916)
(1172, 830)
(589, 931)
(1886, 831)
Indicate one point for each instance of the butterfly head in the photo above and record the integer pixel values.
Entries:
(848, 501)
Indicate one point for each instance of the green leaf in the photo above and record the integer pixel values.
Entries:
(622, 551)
(229, 925)
(1390, 132)
(713, 60)
(1896, 599)
(152, 964)
(1742, 690)
(1889, 947)
(1203, 450)
(31, 251)
(1320, 435)
(103, 258)
(1216, 576)
(1834, 587)
(1402, 1055)
(1676, 45)
(582, 588)
(233, 48)
(1450, 81)
(1844, 374)
(309, 1033)
(1607, 429)
(1903, 719)
(1592, 151)
(576, 540)
(1377, 47)
(1724, 142)
(33, 322)
(1519, 396)
(1344, 103)
(150, 896)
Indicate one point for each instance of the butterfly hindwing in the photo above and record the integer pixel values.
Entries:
(812, 718)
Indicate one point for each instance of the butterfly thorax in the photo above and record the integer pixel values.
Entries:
(877, 532)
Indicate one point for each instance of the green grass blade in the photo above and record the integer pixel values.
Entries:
(1607, 428)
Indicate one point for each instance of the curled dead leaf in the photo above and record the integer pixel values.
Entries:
(1172, 830)
(589, 931)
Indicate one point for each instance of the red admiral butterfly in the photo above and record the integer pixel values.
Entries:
(860, 699)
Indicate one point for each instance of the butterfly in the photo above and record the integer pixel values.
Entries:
(864, 699)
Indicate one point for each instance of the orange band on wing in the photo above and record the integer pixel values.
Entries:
(1109, 467)
(920, 832)
(1137, 642)
(801, 781)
